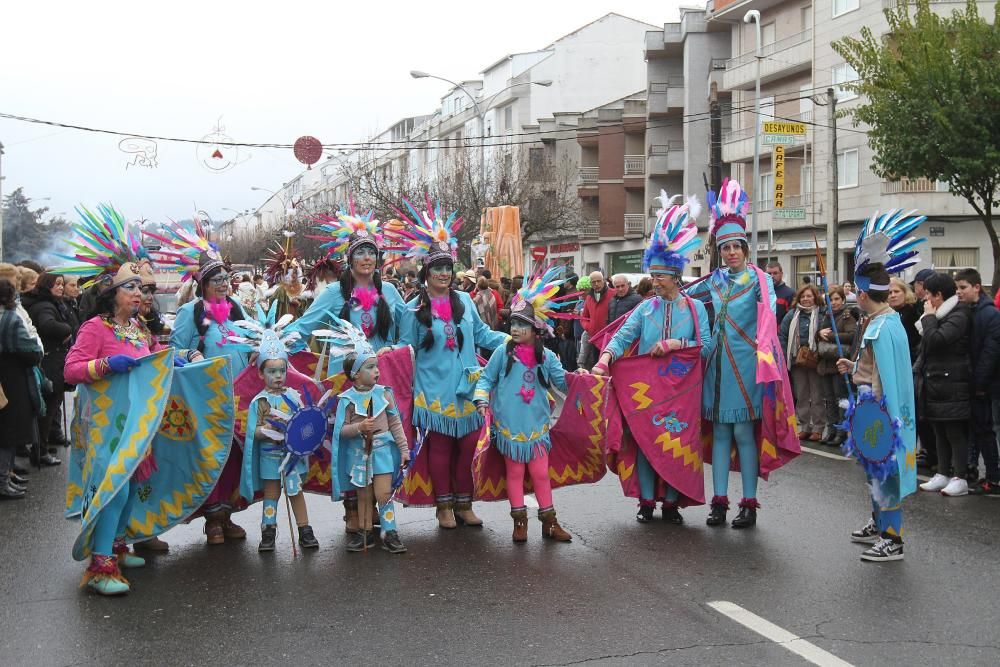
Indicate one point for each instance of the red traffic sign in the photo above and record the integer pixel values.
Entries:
(539, 252)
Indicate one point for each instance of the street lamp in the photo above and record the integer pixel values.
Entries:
(754, 16)
(481, 115)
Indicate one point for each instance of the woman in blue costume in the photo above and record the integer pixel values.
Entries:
(881, 369)
(206, 324)
(668, 321)
(443, 327)
(732, 398)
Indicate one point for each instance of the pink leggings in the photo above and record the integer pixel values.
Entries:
(447, 455)
(538, 468)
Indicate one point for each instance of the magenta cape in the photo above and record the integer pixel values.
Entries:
(578, 443)
(659, 400)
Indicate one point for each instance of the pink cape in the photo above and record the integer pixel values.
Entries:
(578, 443)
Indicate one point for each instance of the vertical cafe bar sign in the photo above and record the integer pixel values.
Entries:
(779, 176)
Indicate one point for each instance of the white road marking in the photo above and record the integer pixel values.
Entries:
(780, 636)
(836, 457)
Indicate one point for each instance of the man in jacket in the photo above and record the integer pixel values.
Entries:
(783, 294)
(624, 299)
(984, 357)
(594, 318)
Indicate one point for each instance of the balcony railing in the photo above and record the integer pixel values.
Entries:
(664, 86)
(635, 165)
(892, 4)
(663, 149)
(915, 185)
(770, 49)
(590, 229)
(635, 224)
(588, 175)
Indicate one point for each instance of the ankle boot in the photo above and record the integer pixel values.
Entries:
(465, 516)
(214, 532)
(229, 529)
(307, 540)
(645, 513)
(361, 540)
(446, 515)
(351, 521)
(551, 529)
(267, 536)
(104, 577)
(671, 513)
(747, 518)
(520, 518)
(720, 505)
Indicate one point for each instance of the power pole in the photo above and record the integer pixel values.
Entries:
(1, 201)
(833, 225)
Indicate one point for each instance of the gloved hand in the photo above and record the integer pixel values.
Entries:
(180, 362)
(122, 363)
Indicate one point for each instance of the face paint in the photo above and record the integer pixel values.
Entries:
(367, 375)
(274, 373)
(521, 332)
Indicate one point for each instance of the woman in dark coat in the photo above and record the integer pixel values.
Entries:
(56, 324)
(19, 354)
(832, 383)
(944, 374)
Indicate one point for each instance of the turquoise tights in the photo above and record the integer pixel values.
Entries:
(111, 522)
(647, 481)
(746, 448)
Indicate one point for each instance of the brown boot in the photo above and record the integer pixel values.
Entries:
(352, 523)
(446, 515)
(213, 528)
(153, 545)
(551, 528)
(520, 525)
(229, 529)
(465, 516)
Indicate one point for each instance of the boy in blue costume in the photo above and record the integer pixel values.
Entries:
(881, 369)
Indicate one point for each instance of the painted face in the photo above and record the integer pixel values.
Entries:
(363, 260)
(732, 254)
(128, 298)
(440, 275)
(897, 296)
(147, 293)
(71, 288)
(274, 372)
(58, 288)
(367, 375)
(521, 332)
(218, 286)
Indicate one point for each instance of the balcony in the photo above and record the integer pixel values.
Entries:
(665, 158)
(778, 60)
(635, 224)
(665, 96)
(590, 229)
(912, 186)
(635, 165)
(587, 176)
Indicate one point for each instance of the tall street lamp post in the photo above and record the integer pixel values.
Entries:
(753, 16)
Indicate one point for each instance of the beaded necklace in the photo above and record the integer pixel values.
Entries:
(132, 333)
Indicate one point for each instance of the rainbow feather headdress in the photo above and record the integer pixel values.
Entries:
(427, 237)
(728, 209)
(189, 253)
(885, 240)
(674, 237)
(536, 303)
(346, 231)
(265, 335)
(104, 247)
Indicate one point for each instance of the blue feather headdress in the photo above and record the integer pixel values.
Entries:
(674, 237)
(266, 336)
(885, 239)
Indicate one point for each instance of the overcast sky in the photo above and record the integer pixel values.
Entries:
(271, 71)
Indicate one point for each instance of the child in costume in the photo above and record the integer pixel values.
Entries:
(882, 372)
(368, 445)
(515, 386)
(668, 321)
(267, 464)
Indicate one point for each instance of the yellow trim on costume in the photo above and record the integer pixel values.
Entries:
(92, 369)
(449, 410)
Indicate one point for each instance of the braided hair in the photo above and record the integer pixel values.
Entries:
(383, 314)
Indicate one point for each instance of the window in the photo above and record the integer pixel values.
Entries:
(536, 163)
(847, 168)
(806, 184)
(508, 117)
(841, 7)
(766, 109)
(767, 34)
(766, 197)
(952, 260)
(843, 73)
(807, 17)
(805, 101)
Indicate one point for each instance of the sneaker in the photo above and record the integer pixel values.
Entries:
(884, 550)
(267, 536)
(956, 487)
(868, 534)
(307, 540)
(392, 543)
(361, 541)
(10, 491)
(936, 483)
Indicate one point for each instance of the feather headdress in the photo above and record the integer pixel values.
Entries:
(885, 239)
(104, 247)
(674, 237)
(537, 304)
(427, 237)
(189, 253)
(345, 231)
(344, 338)
(281, 259)
(265, 335)
(728, 209)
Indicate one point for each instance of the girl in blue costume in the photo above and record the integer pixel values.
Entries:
(515, 385)
(263, 454)
(443, 327)
(368, 443)
(882, 369)
(207, 324)
(732, 398)
(668, 321)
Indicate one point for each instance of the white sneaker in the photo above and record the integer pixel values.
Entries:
(956, 487)
(936, 483)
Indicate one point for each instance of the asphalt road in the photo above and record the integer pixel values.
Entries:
(621, 594)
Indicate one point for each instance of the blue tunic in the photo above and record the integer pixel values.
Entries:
(444, 379)
(350, 467)
(648, 323)
(731, 394)
(331, 301)
(185, 337)
(522, 427)
(262, 458)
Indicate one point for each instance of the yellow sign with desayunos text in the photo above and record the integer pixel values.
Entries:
(779, 176)
(778, 127)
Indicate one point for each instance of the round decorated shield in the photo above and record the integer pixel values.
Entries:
(305, 430)
(872, 438)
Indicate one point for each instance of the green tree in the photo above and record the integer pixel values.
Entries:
(931, 92)
(26, 235)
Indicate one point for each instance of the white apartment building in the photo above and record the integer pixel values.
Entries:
(798, 63)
